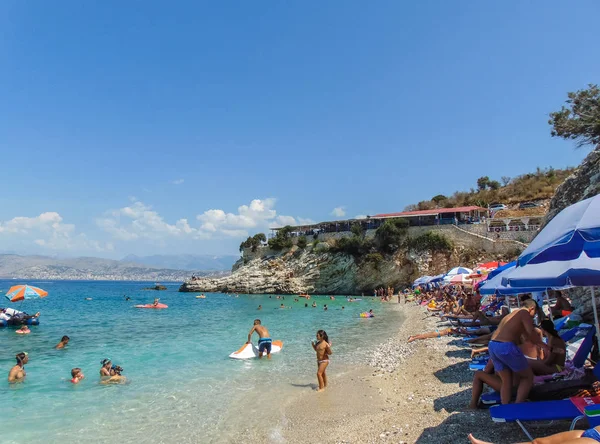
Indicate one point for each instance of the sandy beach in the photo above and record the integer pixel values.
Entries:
(406, 393)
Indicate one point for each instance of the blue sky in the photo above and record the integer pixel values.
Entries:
(171, 127)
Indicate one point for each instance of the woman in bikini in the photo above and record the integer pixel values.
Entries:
(17, 373)
(323, 349)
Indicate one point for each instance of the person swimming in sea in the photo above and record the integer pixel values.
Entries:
(314, 305)
(325, 307)
(77, 375)
(63, 341)
(24, 330)
(323, 349)
(17, 373)
(264, 340)
(127, 298)
(106, 367)
(259, 307)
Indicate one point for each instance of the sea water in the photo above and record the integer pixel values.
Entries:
(182, 387)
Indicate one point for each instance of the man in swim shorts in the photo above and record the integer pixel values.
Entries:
(508, 359)
(264, 340)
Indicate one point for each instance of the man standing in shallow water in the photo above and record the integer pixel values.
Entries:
(264, 340)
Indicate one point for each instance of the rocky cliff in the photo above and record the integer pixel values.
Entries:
(582, 184)
(316, 270)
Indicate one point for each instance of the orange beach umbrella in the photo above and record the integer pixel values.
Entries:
(21, 292)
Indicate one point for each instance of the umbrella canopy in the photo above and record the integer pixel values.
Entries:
(21, 292)
(460, 279)
(565, 252)
(436, 279)
(421, 280)
(583, 271)
(459, 270)
(491, 265)
(573, 230)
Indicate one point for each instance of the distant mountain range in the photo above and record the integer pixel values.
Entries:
(190, 262)
(13, 266)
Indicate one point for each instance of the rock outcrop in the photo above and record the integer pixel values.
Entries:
(583, 183)
(319, 271)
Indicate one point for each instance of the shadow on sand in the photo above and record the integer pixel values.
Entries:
(455, 374)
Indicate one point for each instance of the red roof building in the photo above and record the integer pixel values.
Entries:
(434, 212)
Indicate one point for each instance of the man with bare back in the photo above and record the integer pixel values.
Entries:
(264, 340)
(509, 361)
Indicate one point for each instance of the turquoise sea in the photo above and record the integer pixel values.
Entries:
(182, 385)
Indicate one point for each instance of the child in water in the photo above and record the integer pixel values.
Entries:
(323, 349)
(77, 375)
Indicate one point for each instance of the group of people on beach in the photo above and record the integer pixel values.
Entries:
(385, 294)
(520, 343)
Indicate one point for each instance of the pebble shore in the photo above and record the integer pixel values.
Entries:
(405, 393)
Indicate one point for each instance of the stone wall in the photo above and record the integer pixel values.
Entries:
(469, 239)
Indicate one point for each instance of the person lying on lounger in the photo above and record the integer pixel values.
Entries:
(589, 436)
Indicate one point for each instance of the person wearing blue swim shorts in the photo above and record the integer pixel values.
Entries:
(589, 436)
(509, 361)
(264, 340)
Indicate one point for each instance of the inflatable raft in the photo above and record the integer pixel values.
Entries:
(367, 315)
(249, 351)
(18, 322)
(152, 306)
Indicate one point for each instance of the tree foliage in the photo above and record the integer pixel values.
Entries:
(580, 119)
(253, 242)
(439, 198)
(302, 242)
(390, 234)
(494, 185)
(483, 182)
(357, 229)
(282, 239)
(430, 241)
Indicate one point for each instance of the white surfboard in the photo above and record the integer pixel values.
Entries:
(250, 351)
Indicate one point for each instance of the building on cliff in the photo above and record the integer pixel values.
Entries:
(438, 216)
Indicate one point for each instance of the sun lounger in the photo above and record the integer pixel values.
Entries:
(572, 408)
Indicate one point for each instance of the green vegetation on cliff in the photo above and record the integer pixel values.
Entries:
(532, 186)
(253, 242)
(430, 241)
(580, 119)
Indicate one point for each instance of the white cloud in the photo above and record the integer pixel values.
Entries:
(49, 231)
(139, 222)
(285, 220)
(178, 181)
(360, 216)
(256, 215)
(306, 221)
(338, 212)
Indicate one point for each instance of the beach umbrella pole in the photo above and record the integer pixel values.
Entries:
(548, 301)
(595, 309)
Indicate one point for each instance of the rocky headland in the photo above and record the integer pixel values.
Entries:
(316, 270)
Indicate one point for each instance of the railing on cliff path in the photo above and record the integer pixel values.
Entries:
(511, 241)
